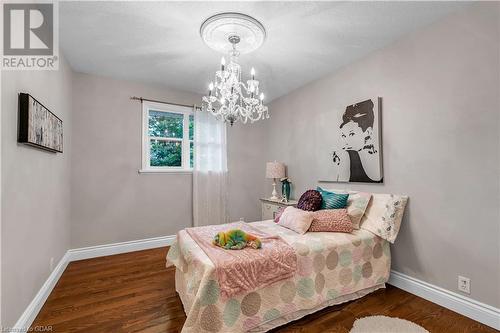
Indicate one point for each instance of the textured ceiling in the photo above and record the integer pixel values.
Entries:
(159, 42)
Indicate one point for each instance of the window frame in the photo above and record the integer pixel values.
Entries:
(186, 112)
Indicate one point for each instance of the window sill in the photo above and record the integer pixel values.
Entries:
(152, 171)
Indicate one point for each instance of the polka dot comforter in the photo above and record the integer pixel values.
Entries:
(331, 268)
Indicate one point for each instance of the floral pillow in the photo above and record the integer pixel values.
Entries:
(331, 220)
(384, 214)
(310, 200)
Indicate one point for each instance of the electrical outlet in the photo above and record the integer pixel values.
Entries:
(464, 284)
(51, 264)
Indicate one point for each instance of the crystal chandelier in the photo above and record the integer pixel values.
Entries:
(229, 98)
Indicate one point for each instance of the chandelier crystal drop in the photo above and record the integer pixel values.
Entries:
(229, 98)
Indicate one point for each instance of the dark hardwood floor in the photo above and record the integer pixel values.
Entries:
(134, 292)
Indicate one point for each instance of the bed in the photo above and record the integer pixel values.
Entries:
(332, 268)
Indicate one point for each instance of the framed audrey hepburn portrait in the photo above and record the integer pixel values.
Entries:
(353, 145)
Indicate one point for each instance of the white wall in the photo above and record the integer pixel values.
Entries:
(246, 150)
(440, 90)
(35, 190)
(111, 201)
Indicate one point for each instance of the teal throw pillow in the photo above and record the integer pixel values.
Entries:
(332, 200)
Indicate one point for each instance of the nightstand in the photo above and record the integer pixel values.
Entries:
(270, 207)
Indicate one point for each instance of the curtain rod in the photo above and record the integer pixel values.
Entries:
(156, 101)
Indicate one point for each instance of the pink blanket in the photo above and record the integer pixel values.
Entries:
(243, 271)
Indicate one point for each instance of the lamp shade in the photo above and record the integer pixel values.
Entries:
(275, 170)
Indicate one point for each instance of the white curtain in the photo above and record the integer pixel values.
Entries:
(210, 170)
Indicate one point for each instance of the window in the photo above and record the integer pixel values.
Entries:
(167, 138)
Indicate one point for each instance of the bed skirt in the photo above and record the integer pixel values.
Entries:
(285, 319)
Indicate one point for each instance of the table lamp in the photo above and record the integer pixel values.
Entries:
(275, 170)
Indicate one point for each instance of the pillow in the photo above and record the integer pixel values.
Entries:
(278, 214)
(333, 200)
(296, 219)
(356, 206)
(310, 200)
(335, 220)
(384, 214)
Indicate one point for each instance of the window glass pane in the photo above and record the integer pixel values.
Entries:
(166, 153)
(165, 124)
(191, 155)
(191, 127)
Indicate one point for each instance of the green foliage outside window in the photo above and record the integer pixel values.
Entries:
(166, 153)
(191, 155)
(191, 127)
(191, 144)
(166, 124)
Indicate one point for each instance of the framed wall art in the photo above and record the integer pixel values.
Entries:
(351, 151)
(38, 126)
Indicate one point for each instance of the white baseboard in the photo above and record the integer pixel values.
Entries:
(117, 248)
(24, 322)
(29, 315)
(466, 306)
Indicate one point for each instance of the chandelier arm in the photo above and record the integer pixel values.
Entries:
(252, 119)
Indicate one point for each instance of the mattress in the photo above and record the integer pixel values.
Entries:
(331, 268)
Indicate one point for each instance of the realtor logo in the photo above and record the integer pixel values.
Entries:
(29, 36)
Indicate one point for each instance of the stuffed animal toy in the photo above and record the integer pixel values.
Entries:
(236, 239)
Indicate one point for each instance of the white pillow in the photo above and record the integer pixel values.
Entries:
(357, 203)
(296, 219)
(384, 214)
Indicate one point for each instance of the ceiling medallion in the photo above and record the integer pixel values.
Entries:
(229, 98)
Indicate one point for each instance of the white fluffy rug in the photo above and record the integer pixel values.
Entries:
(383, 324)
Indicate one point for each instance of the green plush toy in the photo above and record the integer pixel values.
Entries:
(236, 239)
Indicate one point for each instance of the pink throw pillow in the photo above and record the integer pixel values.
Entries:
(336, 220)
(296, 219)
